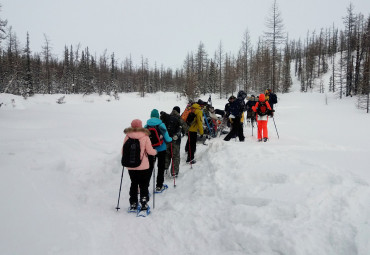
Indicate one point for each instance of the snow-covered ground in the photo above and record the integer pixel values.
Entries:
(305, 193)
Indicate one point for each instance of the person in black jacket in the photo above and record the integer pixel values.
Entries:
(248, 106)
(227, 109)
(236, 109)
(176, 126)
(270, 97)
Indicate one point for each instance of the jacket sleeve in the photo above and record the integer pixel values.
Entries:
(200, 122)
(149, 148)
(268, 105)
(254, 108)
(184, 126)
(165, 134)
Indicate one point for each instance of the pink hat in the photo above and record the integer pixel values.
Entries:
(136, 123)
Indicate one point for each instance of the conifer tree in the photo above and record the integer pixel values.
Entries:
(28, 81)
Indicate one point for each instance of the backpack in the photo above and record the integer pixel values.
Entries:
(188, 115)
(185, 114)
(190, 119)
(237, 107)
(172, 124)
(273, 98)
(155, 136)
(131, 153)
(262, 109)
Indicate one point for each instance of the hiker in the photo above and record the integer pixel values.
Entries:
(236, 116)
(195, 126)
(270, 97)
(263, 110)
(139, 175)
(251, 115)
(159, 139)
(227, 109)
(176, 126)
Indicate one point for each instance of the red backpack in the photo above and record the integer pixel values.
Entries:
(155, 136)
(262, 109)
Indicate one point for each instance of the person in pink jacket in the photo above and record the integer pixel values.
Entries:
(139, 175)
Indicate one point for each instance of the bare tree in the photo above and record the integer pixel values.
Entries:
(220, 56)
(46, 51)
(246, 46)
(3, 24)
(274, 36)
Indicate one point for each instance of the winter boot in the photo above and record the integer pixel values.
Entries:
(144, 204)
(132, 208)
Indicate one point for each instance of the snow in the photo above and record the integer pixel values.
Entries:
(306, 192)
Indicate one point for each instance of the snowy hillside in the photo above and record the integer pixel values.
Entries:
(305, 193)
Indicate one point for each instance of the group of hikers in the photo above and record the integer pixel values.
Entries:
(159, 140)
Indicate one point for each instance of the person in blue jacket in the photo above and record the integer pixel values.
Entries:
(155, 122)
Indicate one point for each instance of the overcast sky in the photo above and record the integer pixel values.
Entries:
(163, 31)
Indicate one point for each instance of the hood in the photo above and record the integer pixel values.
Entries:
(174, 112)
(153, 122)
(262, 97)
(196, 106)
(136, 133)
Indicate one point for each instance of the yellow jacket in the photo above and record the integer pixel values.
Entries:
(198, 122)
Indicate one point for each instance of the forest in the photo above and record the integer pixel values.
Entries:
(268, 63)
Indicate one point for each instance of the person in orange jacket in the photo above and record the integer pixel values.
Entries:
(263, 110)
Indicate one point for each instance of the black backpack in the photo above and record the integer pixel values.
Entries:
(172, 124)
(155, 136)
(262, 109)
(190, 119)
(131, 153)
(237, 107)
(273, 98)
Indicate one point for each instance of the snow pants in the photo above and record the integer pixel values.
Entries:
(139, 178)
(236, 130)
(173, 154)
(262, 129)
(191, 145)
(161, 156)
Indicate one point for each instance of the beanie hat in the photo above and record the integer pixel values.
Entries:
(154, 114)
(177, 109)
(136, 123)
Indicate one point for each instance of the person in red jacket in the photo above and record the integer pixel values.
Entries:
(262, 109)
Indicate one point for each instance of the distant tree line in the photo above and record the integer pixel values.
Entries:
(346, 52)
(253, 68)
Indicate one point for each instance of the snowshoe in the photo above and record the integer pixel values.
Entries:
(161, 189)
(143, 210)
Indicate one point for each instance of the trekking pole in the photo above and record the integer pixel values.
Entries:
(153, 182)
(120, 186)
(252, 122)
(276, 128)
(173, 169)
